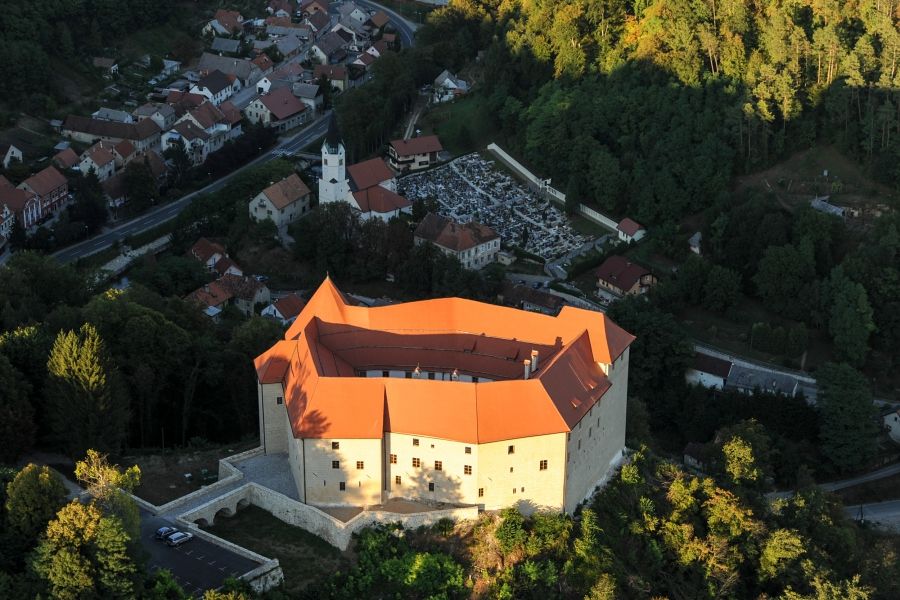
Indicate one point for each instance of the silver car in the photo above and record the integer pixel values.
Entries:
(177, 539)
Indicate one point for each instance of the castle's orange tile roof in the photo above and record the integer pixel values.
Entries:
(331, 341)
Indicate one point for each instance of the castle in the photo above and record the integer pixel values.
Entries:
(445, 400)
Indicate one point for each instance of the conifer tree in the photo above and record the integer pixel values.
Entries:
(88, 405)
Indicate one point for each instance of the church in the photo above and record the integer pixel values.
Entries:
(370, 186)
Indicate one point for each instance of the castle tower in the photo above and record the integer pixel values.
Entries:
(333, 184)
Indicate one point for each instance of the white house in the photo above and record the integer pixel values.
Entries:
(161, 114)
(473, 244)
(100, 160)
(217, 87)
(279, 110)
(8, 154)
(448, 86)
(415, 153)
(630, 231)
(708, 371)
(285, 309)
(282, 203)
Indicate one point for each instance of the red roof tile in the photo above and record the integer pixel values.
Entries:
(282, 103)
(629, 227)
(368, 173)
(454, 236)
(45, 181)
(621, 273)
(380, 200)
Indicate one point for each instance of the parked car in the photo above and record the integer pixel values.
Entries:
(164, 532)
(178, 538)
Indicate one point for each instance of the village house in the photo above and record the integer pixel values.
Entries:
(282, 203)
(329, 49)
(530, 299)
(622, 277)
(98, 160)
(66, 159)
(161, 114)
(225, 45)
(9, 154)
(630, 231)
(208, 253)
(335, 74)
(51, 188)
(708, 371)
(108, 66)
(23, 204)
(414, 154)
(279, 110)
(281, 8)
(473, 244)
(217, 87)
(225, 22)
(694, 243)
(748, 380)
(244, 70)
(314, 7)
(144, 135)
(112, 114)
(285, 309)
(448, 86)
(318, 23)
(264, 64)
(309, 94)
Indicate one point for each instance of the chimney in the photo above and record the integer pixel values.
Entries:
(527, 364)
(206, 288)
(534, 360)
(455, 375)
(417, 373)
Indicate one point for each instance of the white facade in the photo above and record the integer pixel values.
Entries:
(333, 185)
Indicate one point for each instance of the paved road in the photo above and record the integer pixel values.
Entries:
(406, 29)
(886, 515)
(169, 211)
(197, 565)
(881, 473)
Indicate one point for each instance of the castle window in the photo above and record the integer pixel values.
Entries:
(431, 375)
(579, 444)
(359, 465)
(468, 450)
(385, 373)
(514, 490)
(481, 492)
(510, 469)
(335, 445)
(543, 465)
(430, 486)
(438, 465)
(393, 459)
(417, 462)
(511, 450)
(467, 469)
(343, 485)
(335, 464)
(397, 479)
(415, 441)
(409, 374)
(522, 489)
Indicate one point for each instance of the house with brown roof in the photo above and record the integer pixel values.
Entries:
(108, 66)
(630, 231)
(51, 188)
(282, 203)
(415, 153)
(23, 204)
(314, 7)
(280, 110)
(207, 252)
(530, 299)
(162, 114)
(144, 135)
(98, 160)
(285, 309)
(330, 49)
(66, 159)
(708, 371)
(245, 292)
(9, 154)
(216, 86)
(225, 22)
(334, 74)
(622, 277)
(445, 400)
(263, 63)
(473, 244)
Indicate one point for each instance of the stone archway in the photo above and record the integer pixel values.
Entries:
(202, 523)
(242, 504)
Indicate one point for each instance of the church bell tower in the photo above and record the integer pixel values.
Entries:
(333, 185)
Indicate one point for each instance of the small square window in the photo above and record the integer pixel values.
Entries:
(385, 374)
(438, 465)
(335, 464)
(543, 465)
(468, 450)
(409, 374)
(393, 459)
(510, 469)
(335, 445)
(514, 490)
(430, 486)
(415, 441)
(467, 469)
(511, 450)
(279, 400)
(343, 485)
(522, 489)
(431, 375)
(481, 492)
(397, 479)
(359, 465)
(417, 462)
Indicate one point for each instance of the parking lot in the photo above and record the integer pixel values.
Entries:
(470, 188)
(196, 565)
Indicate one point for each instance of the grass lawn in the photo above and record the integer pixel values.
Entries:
(463, 125)
(304, 557)
(526, 267)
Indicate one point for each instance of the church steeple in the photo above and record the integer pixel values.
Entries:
(333, 137)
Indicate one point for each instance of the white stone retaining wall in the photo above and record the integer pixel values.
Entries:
(226, 467)
(585, 211)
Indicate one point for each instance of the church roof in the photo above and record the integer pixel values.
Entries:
(333, 137)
